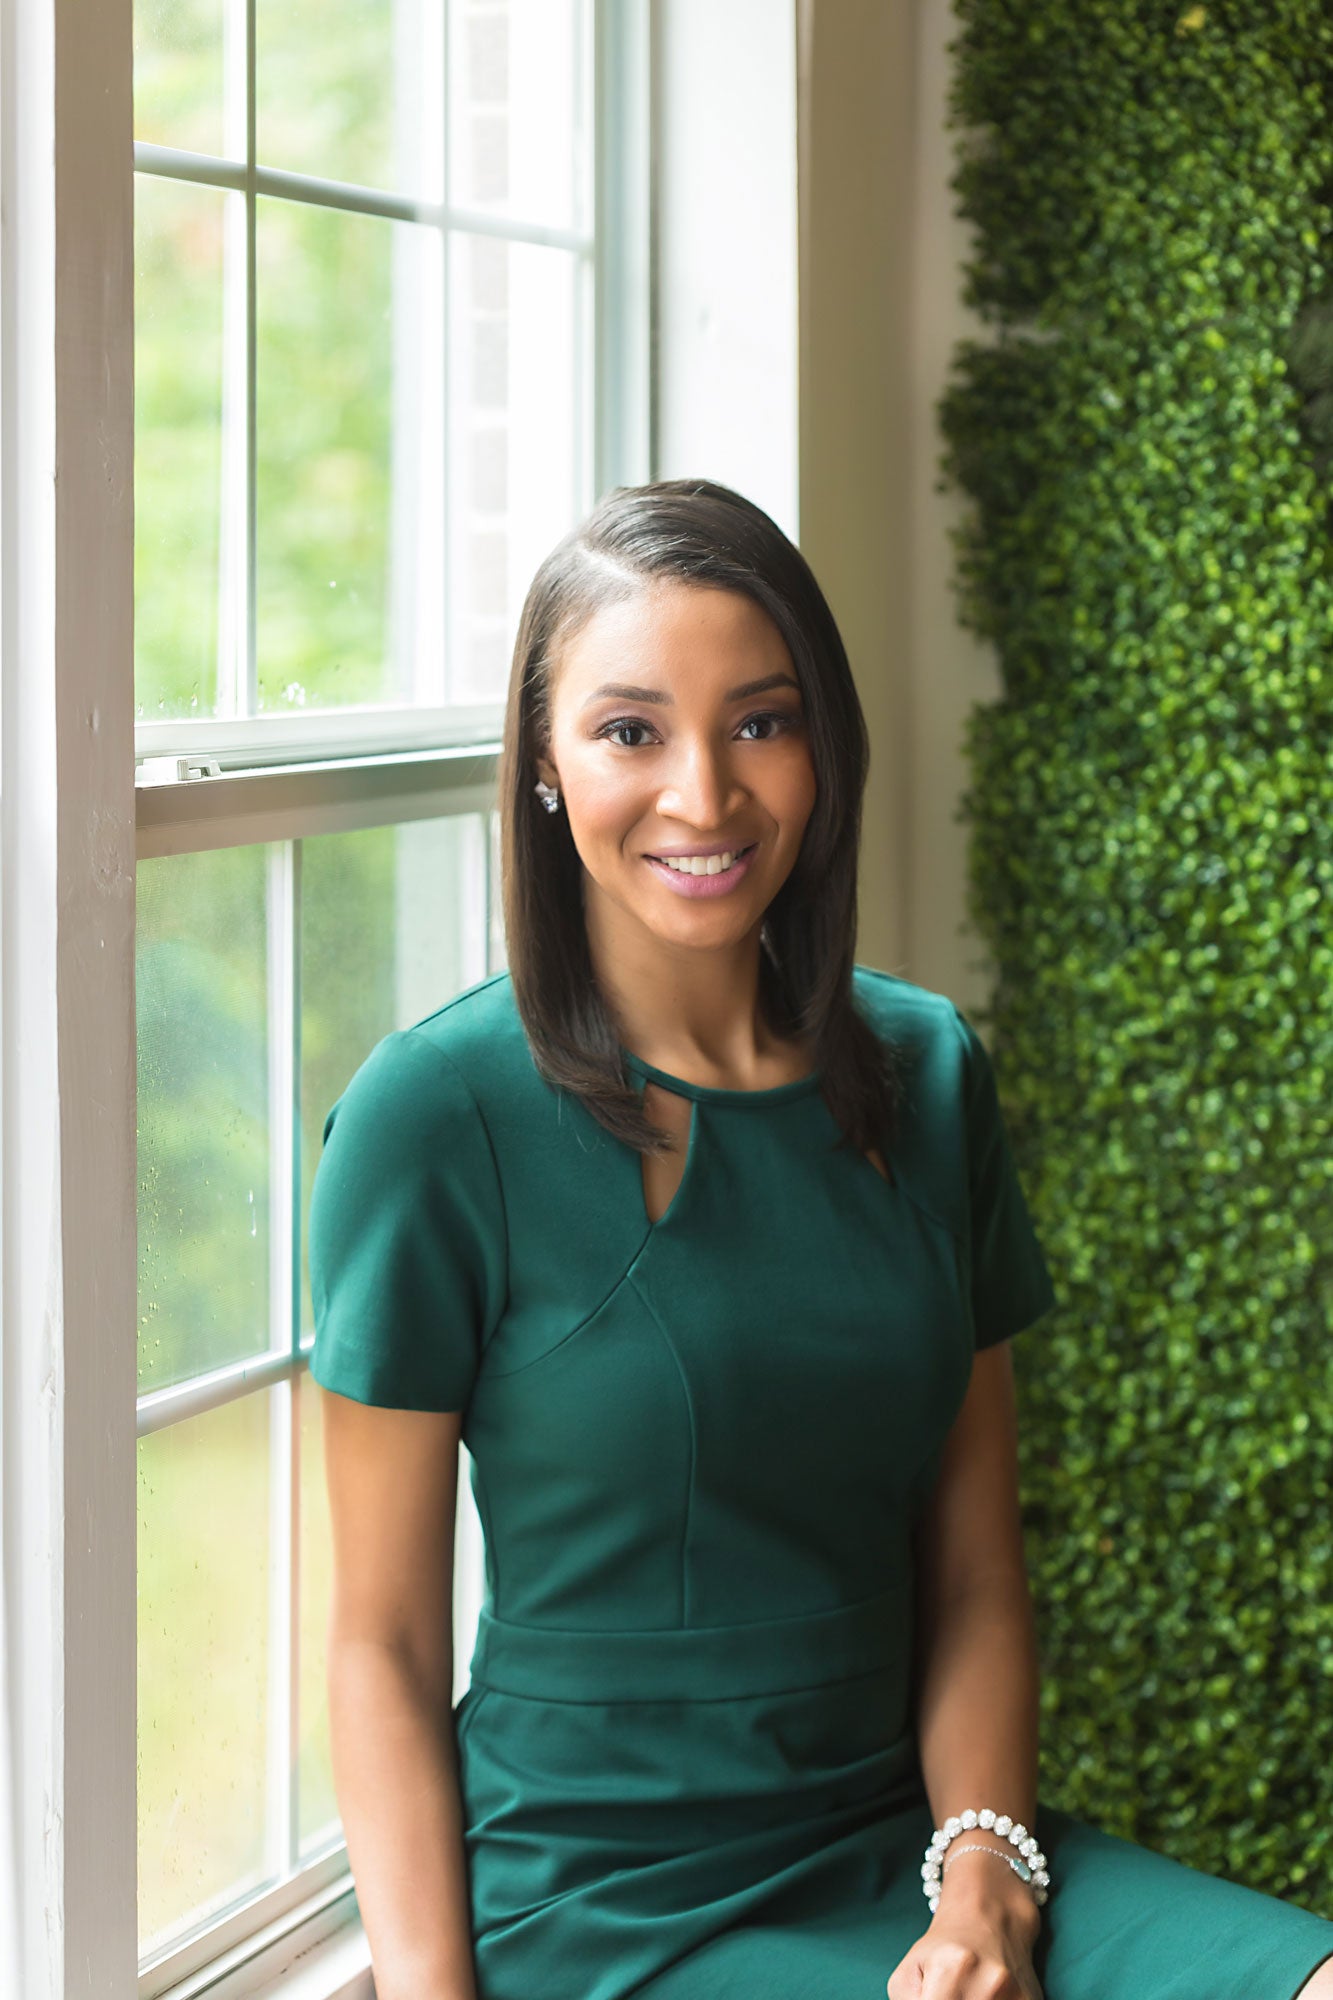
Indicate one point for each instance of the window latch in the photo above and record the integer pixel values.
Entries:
(176, 770)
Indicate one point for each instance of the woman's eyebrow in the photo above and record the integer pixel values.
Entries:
(623, 691)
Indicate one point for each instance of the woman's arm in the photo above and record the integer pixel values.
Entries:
(392, 1478)
(977, 1670)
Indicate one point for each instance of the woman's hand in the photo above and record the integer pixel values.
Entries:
(969, 1954)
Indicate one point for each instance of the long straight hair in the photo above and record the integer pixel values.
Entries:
(690, 531)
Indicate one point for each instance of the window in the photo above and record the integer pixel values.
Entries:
(390, 342)
(218, 858)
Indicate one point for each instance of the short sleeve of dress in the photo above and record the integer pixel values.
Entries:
(1010, 1283)
(406, 1238)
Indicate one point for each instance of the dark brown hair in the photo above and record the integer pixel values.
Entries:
(690, 531)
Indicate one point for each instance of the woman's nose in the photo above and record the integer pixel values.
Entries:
(703, 786)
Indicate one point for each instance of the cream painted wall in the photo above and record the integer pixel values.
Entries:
(880, 252)
(856, 120)
(950, 669)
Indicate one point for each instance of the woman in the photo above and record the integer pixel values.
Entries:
(708, 1243)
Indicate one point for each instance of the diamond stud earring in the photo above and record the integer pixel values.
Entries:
(550, 796)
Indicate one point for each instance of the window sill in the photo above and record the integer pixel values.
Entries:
(338, 1968)
(323, 1956)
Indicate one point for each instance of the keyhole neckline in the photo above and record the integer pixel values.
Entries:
(710, 1093)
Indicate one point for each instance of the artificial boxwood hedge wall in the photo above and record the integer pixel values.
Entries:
(1144, 441)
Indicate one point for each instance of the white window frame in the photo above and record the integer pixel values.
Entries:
(73, 824)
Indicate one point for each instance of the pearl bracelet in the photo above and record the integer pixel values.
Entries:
(1032, 1868)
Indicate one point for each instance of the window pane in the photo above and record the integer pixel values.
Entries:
(203, 1113)
(351, 90)
(518, 109)
(203, 1664)
(178, 88)
(317, 1803)
(350, 591)
(393, 924)
(181, 237)
(515, 421)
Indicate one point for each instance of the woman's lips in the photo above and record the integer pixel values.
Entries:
(704, 885)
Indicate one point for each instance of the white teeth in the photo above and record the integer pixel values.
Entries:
(698, 864)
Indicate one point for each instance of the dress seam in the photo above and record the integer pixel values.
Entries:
(878, 1671)
(535, 1360)
(668, 1632)
(956, 1236)
(694, 1449)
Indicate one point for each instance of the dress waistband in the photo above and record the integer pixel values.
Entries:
(698, 1662)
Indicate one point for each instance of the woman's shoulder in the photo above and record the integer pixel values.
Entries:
(914, 1018)
(479, 1034)
(407, 1229)
(442, 1066)
(949, 1095)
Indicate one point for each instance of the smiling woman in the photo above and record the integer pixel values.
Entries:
(757, 1641)
(699, 785)
(681, 690)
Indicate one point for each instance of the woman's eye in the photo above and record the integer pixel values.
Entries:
(783, 720)
(626, 722)
(623, 722)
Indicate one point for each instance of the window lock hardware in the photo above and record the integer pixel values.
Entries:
(176, 770)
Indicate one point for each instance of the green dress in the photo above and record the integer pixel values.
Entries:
(686, 1755)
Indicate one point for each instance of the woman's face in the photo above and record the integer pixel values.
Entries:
(677, 724)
